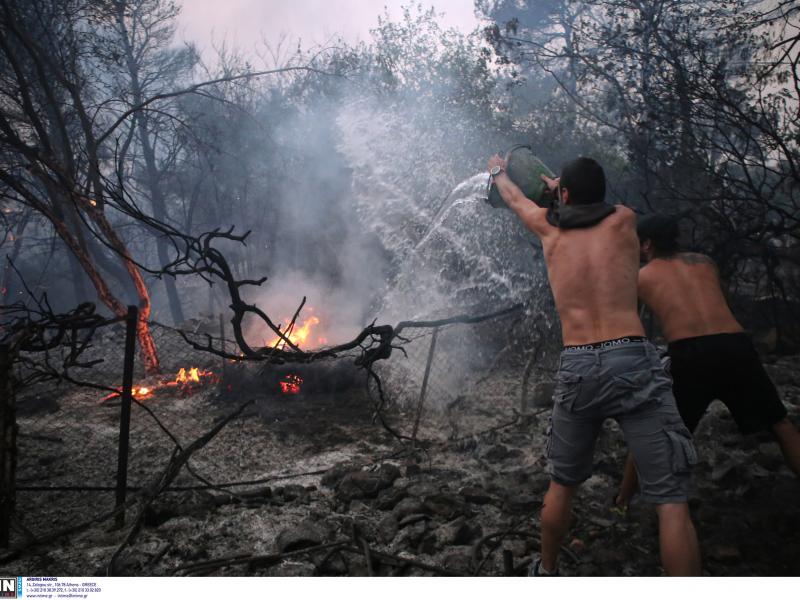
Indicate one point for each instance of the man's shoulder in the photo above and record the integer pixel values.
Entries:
(624, 212)
(648, 273)
(694, 258)
(623, 215)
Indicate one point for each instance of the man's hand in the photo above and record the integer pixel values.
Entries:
(496, 161)
(552, 184)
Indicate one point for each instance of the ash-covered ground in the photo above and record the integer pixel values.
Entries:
(337, 495)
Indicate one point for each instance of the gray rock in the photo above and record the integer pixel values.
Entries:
(522, 503)
(360, 484)
(785, 371)
(601, 522)
(608, 556)
(292, 492)
(428, 544)
(334, 475)
(389, 498)
(412, 470)
(474, 494)
(335, 565)
(457, 558)
(722, 471)
(387, 529)
(423, 489)
(518, 548)
(409, 537)
(444, 504)
(407, 506)
(411, 519)
(458, 532)
(303, 535)
(388, 474)
(494, 453)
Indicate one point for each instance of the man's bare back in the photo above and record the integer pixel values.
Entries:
(685, 294)
(593, 270)
(593, 273)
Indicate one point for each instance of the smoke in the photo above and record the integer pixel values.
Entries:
(366, 197)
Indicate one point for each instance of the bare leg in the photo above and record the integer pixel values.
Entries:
(680, 553)
(555, 521)
(629, 485)
(789, 441)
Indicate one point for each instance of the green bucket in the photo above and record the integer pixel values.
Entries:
(524, 169)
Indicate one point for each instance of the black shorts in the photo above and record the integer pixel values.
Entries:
(724, 367)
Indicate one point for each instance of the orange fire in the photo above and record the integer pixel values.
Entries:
(187, 381)
(299, 336)
(291, 384)
(137, 392)
(192, 375)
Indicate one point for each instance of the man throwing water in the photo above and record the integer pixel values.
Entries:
(607, 369)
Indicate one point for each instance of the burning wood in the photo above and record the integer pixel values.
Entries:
(138, 392)
(299, 336)
(187, 381)
(291, 384)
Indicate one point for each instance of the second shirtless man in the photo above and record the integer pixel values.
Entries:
(711, 355)
(607, 368)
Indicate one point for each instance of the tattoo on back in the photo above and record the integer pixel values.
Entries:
(693, 258)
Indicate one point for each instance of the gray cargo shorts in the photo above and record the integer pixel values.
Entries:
(626, 383)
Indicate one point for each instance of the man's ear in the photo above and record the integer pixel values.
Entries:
(646, 246)
(564, 195)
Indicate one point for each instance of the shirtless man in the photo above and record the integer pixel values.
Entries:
(607, 368)
(711, 356)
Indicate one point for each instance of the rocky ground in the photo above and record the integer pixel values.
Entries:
(337, 495)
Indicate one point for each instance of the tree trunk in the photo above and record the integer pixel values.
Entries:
(151, 168)
(146, 343)
(5, 287)
(78, 280)
(160, 213)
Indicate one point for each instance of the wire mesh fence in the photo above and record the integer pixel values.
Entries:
(69, 435)
(453, 356)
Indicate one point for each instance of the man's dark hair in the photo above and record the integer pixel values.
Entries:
(585, 180)
(661, 230)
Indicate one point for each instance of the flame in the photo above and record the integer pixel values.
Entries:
(291, 384)
(187, 381)
(137, 392)
(298, 336)
(192, 376)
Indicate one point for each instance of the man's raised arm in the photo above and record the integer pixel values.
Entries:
(531, 214)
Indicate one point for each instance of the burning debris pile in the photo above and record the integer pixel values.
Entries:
(299, 336)
(186, 382)
(291, 384)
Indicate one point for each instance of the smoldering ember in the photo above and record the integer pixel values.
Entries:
(266, 312)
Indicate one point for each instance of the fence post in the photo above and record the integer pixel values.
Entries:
(424, 389)
(222, 338)
(8, 445)
(125, 411)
